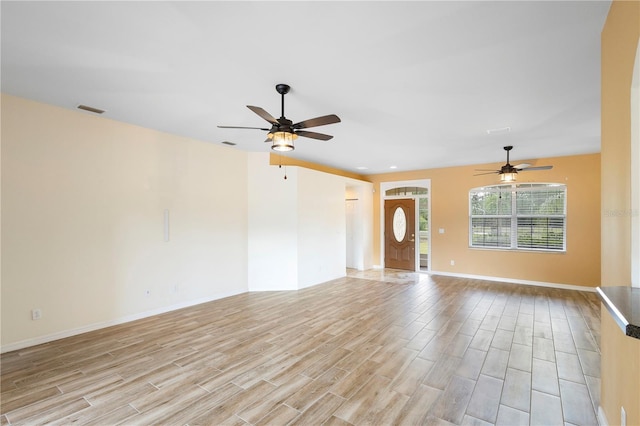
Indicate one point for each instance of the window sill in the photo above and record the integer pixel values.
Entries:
(520, 250)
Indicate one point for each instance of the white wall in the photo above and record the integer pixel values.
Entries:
(82, 222)
(365, 195)
(273, 226)
(359, 225)
(83, 202)
(354, 248)
(321, 227)
(297, 227)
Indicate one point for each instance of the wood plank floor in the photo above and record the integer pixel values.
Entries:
(380, 347)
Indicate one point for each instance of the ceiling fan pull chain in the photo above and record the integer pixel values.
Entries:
(280, 166)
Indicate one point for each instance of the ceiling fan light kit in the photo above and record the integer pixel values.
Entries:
(284, 132)
(282, 141)
(508, 177)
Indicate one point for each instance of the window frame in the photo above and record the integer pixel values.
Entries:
(513, 216)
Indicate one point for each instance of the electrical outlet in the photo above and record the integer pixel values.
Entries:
(623, 417)
(453, 263)
(36, 314)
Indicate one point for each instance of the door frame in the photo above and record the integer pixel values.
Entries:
(422, 183)
(405, 257)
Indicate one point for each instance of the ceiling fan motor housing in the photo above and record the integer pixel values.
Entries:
(508, 168)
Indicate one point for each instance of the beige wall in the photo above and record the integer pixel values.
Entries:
(620, 369)
(83, 201)
(579, 266)
(297, 226)
(322, 227)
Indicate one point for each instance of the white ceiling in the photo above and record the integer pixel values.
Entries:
(416, 84)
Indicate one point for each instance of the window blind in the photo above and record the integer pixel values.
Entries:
(528, 216)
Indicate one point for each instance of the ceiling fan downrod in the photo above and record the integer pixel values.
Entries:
(508, 148)
(283, 89)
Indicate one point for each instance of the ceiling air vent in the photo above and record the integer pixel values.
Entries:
(90, 109)
(229, 143)
(500, 131)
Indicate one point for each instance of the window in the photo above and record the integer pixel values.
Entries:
(529, 216)
(406, 190)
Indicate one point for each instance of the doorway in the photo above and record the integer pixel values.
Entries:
(419, 192)
(400, 233)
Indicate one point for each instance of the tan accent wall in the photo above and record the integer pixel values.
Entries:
(284, 160)
(579, 266)
(620, 372)
(620, 369)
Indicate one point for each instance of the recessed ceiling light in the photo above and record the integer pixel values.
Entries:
(393, 167)
(361, 168)
(229, 143)
(90, 109)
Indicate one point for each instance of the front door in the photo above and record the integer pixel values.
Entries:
(400, 234)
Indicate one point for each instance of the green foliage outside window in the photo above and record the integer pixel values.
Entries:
(527, 216)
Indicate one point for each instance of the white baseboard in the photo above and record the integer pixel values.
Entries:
(517, 281)
(602, 419)
(97, 326)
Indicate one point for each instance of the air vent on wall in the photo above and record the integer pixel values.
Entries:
(90, 109)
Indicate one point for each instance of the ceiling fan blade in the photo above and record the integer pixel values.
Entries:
(488, 170)
(314, 135)
(522, 166)
(488, 173)
(318, 121)
(264, 114)
(536, 168)
(241, 127)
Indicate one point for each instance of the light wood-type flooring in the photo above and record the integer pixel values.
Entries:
(381, 347)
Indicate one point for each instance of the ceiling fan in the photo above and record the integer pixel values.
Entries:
(283, 131)
(508, 172)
